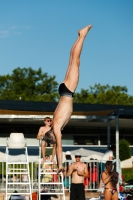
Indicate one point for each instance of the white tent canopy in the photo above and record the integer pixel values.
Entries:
(94, 156)
(88, 153)
(127, 163)
(86, 156)
(18, 158)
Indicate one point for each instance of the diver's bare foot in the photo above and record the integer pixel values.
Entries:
(83, 32)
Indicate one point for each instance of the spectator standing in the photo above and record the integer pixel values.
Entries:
(79, 171)
(108, 155)
(110, 180)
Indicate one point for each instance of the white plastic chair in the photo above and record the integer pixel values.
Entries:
(16, 140)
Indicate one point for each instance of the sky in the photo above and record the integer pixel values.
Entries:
(40, 33)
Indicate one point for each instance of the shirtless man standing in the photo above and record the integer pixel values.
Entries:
(41, 135)
(67, 88)
(79, 171)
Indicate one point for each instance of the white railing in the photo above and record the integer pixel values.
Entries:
(91, 183)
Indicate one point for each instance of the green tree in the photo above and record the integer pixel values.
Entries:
(124, 150)
(128, 174)
(104, 94)
(28, 84)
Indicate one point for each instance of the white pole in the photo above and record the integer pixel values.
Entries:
(117, 147)
(108, 134)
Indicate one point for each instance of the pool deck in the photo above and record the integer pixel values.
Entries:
(88, 195)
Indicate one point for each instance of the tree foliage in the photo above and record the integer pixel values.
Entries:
(128, 174)
(28, 84)
(124, 150)
(104, 94)
(34, 85)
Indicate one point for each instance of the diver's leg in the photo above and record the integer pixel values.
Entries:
(72, 74)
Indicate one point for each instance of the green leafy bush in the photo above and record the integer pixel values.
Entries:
(128, 174)
(124, 150)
